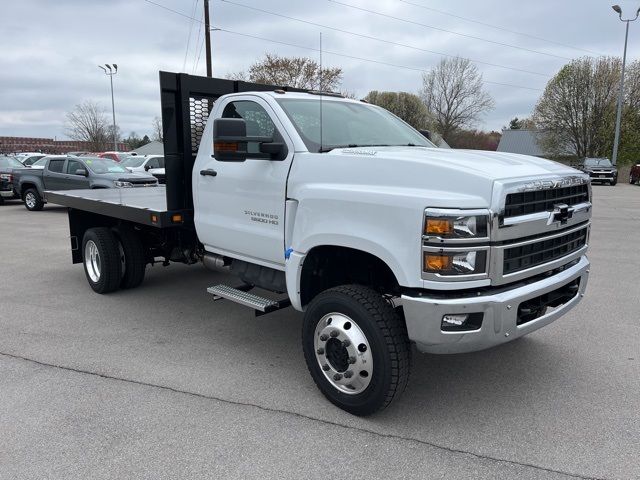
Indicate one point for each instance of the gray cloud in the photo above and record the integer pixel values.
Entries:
(50, 50)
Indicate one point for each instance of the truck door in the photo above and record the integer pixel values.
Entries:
(240, 210)
(53, 176)
(72, 179)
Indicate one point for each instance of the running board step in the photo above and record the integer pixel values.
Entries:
(260, 304)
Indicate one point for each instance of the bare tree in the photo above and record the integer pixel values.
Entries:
(405, 105)
(297, 72)
(576, 106)
(157, 129)
(454, 94)
(88, 123)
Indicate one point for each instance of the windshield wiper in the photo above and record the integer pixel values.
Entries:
(351, 145)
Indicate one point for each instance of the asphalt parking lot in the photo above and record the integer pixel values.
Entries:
(160, 382)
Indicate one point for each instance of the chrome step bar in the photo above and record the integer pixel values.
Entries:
(238, 295)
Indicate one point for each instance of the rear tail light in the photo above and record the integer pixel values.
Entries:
(6, 176)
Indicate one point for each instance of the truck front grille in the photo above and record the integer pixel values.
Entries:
(538, 253)
(524, 203)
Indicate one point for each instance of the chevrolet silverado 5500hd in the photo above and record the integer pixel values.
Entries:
(344, 212)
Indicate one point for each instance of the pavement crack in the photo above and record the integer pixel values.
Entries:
(306, 417)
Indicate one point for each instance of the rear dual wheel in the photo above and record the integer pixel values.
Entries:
(113, 258)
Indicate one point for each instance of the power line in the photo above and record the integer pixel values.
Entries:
(193, 12)
(378, 39)
(498, 27)
(449, 31)
(353, 57)
(315, 49)
(197, 52)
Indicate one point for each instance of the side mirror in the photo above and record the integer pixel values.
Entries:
(147, 168)
(82, 171)
(230, 143)
(426, 134)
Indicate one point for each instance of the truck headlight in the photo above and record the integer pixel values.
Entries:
(455, 263)
(120, 184)
(456, 224)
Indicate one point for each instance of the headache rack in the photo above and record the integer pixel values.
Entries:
(187, 101)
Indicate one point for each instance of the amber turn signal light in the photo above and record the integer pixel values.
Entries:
(225, 146)
(436, 263)
(438, 226)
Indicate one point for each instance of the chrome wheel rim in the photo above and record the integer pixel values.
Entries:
(30, 200)
(92, 261)
(343, 353)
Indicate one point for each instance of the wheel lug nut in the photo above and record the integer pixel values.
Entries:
(334, 333)
(362, 347)
(348, 374)
(352, 360)
(337, 376)
(346, 343)
(324, 338)
(320, 351)
(325, 367)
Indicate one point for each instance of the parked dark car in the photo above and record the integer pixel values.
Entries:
(7, 166)
(599, 170)
(634, 174)
(74, 173)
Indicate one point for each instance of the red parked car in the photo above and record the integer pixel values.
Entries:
(634, 175)
(115, 156)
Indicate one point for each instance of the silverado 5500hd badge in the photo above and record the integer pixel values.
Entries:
(262, 217)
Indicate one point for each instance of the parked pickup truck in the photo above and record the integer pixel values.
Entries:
(73, 173)
(342, 211)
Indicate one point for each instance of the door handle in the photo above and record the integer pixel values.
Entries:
(208, 173)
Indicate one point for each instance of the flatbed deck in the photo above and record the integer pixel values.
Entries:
(147, 206)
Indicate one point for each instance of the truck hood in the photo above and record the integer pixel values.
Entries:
(127, 177)
(444, 178)
(477, 163)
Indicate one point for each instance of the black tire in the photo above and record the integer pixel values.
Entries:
(134, 262)
(108, 275)
(613, 182)
(32, 200)
(632, 180)
(386, 333)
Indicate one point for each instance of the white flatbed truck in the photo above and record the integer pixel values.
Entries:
(353, 218)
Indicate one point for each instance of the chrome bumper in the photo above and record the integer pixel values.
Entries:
(423, 315)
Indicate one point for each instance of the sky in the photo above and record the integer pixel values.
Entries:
(50, 49)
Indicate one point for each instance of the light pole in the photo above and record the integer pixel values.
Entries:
(111, 70)
(616, 139)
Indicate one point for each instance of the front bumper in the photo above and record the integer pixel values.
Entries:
(602, 176)
(423, 315)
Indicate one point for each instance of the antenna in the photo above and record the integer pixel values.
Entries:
(320, 82)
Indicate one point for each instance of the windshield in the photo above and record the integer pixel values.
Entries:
(132, 162)
(348, 124)
(104, 165)
(10, 162)
(597, 162)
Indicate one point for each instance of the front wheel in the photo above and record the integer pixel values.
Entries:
(613, 182)
(356, 348)
(632, 180)
(32, 200)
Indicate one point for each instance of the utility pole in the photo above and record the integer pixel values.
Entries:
(113, 69)
(616, 139)
(207, 37)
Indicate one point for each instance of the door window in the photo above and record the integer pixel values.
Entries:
(259, 123)
(56, 165)
(153, 163)
(73, 166)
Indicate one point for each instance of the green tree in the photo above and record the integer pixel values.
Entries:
(405, 105)
(515, 124)
(576, 106)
